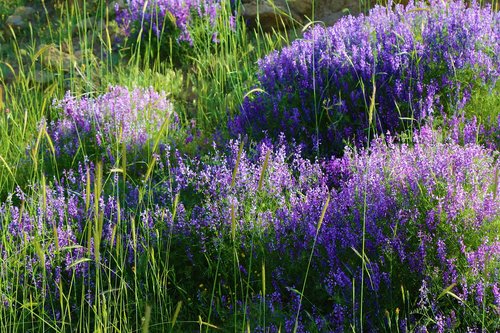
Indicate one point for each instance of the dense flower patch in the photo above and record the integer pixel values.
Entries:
(471, 130)
(118, 122)
(54, 226)
(168, 16)
(421, 209)
(383, 70)
(135, 227)
(427, 214)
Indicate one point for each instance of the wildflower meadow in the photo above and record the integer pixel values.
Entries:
(172, 166)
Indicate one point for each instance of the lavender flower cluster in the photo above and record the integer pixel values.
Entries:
(51, 225)
(170, 16)
(411, 62)
(423, 210)
(102, 125)
(472, 130)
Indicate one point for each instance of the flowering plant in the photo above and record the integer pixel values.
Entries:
(111, 124)
(385, 70)
(169, 16)
(423, 216)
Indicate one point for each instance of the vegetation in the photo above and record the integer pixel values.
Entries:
(165, 168)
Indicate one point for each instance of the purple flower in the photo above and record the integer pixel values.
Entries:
(411, 58)
(172, 17)
(423, 210)
(103, 125)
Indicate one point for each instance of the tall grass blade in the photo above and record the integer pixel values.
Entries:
(320, 222)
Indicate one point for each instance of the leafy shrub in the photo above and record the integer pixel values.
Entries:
(411, 62)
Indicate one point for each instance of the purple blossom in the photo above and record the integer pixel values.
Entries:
(319, 88)
(423, 209)
(416, 201)
(103, 125)
(172, 17)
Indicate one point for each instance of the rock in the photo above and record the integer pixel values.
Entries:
(21, 17)
(265, 15)
(302, 7)
(330, 11)
(53, 58)
(25, 12)
(16, 22)
(43, 77)
(274, 14)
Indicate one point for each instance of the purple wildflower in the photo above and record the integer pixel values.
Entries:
(170, 16)
(319, 88)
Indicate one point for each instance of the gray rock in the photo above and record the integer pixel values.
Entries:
(25, 12)
(278, 13)
(16, 22)
(52, 58)
(21, 17)
(43, 77)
